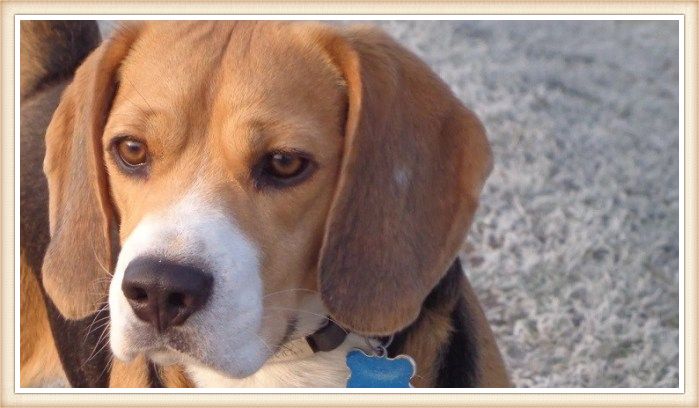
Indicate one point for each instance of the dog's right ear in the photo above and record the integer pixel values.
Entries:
(414, 163)
(79, 259)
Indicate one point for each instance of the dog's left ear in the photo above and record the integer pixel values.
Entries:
(414, 162)
(82, 220)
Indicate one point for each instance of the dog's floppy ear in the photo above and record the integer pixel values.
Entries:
(415, 160)
(82, 221)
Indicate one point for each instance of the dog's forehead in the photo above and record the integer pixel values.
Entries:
(229, 65)
(169, 50)
(181, 54)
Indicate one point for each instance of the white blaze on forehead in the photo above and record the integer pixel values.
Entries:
(401, 175)
(196, 231)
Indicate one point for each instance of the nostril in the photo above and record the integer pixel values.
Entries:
(140, 295)
(135, 293)
(177, 300)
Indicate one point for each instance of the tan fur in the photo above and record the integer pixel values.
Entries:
(129, 375)
(39, 362)
(135, 374)
(173, 376)
(424, 345)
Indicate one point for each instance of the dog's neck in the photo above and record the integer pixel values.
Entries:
(295, 365)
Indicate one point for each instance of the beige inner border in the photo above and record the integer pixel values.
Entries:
(10, 8)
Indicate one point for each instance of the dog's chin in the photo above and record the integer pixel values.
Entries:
(238, 357)
(240, 365)
(166, 357)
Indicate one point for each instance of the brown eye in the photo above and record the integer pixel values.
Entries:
(286, 165)
(132, 152)
(283, 169)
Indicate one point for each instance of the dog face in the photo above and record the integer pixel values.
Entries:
(244, 179)
(239, 166)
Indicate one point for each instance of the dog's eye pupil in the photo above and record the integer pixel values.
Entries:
(132, 152)
(286, 165)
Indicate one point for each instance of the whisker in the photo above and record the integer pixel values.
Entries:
(89, 329)
(90, 357)
(97, 291)
(272, 351)
(309, 312)
(106, 343)
(108, 366)
(94, 319)
(290, 290)
(99, 261)
(99, 340)
(101, 326)
(103, 279)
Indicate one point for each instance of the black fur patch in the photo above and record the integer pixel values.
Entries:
(82, 347)
(458, 360)
(459, 365)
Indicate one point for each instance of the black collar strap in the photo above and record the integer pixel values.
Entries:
(327, 338)
(331, 335)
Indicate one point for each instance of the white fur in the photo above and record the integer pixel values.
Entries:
(402, 177)
(297, 367)
(225, 333)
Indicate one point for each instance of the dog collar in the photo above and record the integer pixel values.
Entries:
(373, 370)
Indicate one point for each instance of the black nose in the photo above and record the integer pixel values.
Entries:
(164, 293)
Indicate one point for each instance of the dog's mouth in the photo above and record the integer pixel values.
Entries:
(177, 347)
(240, 362)
(174, 341)
(166, 348)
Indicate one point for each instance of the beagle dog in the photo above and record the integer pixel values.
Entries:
(251, 201)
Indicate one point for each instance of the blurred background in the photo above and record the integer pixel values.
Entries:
(574, 251)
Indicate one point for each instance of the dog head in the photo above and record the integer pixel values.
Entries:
(245, 179)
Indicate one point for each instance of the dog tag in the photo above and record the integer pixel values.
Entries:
(379, 371)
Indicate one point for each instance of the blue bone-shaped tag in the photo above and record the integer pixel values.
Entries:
(379, 372)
